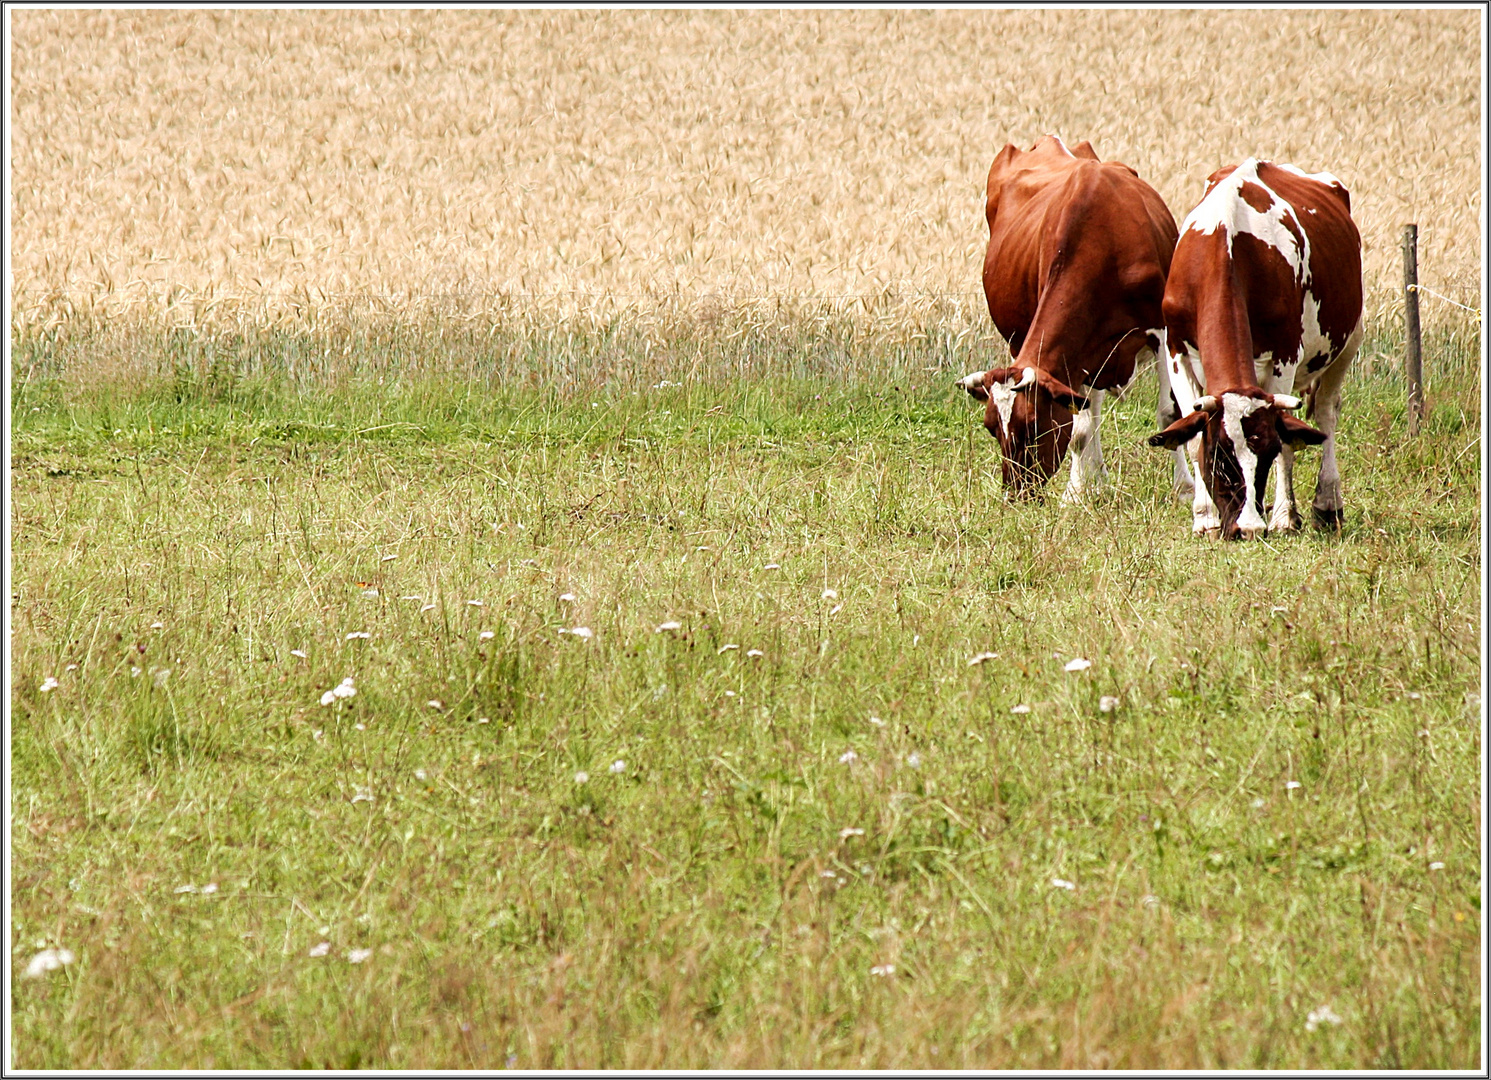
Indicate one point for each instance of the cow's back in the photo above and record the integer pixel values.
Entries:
(1281, 247)
(1088, 238)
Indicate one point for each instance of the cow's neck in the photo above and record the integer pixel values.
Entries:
(1224, 338)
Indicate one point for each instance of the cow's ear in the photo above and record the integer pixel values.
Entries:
(976, 384)
(1181, 432)
(1296, 433)
(1063, 394)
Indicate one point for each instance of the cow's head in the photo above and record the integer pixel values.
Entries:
(1242, 431)
(1030, 413)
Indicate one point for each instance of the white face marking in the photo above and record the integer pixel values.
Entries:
(1004, 401)
(1234, 408)
(1225, 208)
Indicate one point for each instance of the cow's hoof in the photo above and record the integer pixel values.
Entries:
(1329, 520)
(1285, 523)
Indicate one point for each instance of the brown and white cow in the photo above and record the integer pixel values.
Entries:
(1074, 275)
(1264, 302)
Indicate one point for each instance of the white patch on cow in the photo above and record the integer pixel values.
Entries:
(1003, 397)
(1226, 209)
(1236, 407)
(1325, 178)
(1313, 341)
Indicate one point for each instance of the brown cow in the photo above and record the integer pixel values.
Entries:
(1264, 301)
(1074, 275)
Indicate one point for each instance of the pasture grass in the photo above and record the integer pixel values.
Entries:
(183, 524)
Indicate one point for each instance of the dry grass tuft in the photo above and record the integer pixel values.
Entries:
(201, 165)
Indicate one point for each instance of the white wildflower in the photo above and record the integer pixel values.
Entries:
(209, 888)
(1290, 785)
(356, 635)
(160, 675)
(185, 889)
(1019, 710)
(362, 795)
(327, 698)
(427, 607)
(388, 558)
(48, 960)
(1107, 703)
(876, 721)
(436, 704)
(847, 832)
(1078, 664)
(772, 566)
(582, 777)
(420, 774)
(584, 633)
(1061, 883)
(475, 603)
(755, 653)
(157, 626)
(345, 689)
(134, 673)
(298, 652)
(1322, 1015)
(1257, 804)
(48, 685)
(486, 635)
(1150, 900)
(668, 627)
(982, 658)
(618, 766)
(914, 760)
(1436, 866)
(724, 649)
(357, 956)
(847, 757)
(883, 969)
(370, 593)
(836, 609)
(320, 950)
(74, 667)
(567, 598)
(484, 720)
(830, 594)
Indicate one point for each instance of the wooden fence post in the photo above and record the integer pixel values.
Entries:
(1413, 359)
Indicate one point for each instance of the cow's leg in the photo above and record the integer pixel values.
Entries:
(1328, 507)
(1167, 411)
(1284, 517)
(1205, 520)
(1086, 450)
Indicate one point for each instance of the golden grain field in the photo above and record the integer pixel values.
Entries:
(186, 163)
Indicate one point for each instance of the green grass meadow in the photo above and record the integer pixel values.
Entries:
(813, 834)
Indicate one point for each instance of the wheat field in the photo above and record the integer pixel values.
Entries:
(184, 164)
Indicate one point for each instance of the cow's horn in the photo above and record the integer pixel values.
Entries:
(1027, 378)
(968, 382)
(1206, 404)
(1287, 401)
